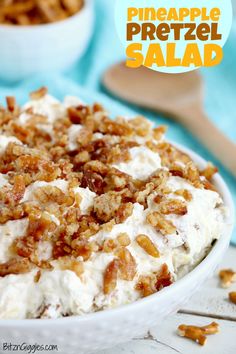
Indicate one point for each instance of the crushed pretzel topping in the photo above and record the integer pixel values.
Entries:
(123, 239)
(159, 132)
(11, 103)
(127, 264)
(40, 93)
(67, 263)
(198, 334)
(209, 171)
(161, 224)
(185, 194)
(141, 126)
(150, 284)
(107, 205)
(89, 166)
(148, 246)
(110, 277)
(173, 206)
(146, 285)
(109, 245)
(15, 266)
(164, 278)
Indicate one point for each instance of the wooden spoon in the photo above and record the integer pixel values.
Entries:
(179, 96)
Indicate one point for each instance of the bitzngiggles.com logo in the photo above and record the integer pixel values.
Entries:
(28, 348)
(173, 36)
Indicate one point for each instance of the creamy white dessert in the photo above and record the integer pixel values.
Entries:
(94, 213)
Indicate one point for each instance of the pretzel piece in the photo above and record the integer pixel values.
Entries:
(198, 334)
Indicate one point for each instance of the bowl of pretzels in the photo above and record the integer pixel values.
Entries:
(42, 36)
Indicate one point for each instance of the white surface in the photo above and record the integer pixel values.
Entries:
(210, 299)
(28, 50)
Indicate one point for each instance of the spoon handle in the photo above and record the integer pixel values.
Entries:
(197, 122)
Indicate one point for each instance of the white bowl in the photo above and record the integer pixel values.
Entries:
(29, 50)
(105, 329)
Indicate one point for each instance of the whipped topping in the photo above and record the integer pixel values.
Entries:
(72, 135)
(47, 106)
(142, 164)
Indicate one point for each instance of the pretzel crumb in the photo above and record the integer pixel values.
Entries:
(73, 265)
(146, 285)
(123, 239)
(15, 266)
(173, 206)
(110, 277)
(163, 278)
(198, 334)
(127, 264)
(159, 132)
(40, 93)
(150, 284)
(209, 171)
(166, 227)
(148, 246)
(186, 194)
(11, 103)
(227, 277)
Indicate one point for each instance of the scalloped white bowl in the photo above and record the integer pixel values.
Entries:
(104, 329)
(45, 48)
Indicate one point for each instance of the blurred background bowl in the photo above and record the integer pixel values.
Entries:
(29, 50)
